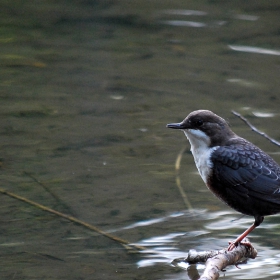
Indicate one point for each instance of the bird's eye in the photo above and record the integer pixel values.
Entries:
(198, 122)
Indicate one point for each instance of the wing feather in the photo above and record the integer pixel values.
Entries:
(246, 170)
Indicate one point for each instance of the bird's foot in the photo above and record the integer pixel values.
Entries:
(234, 244)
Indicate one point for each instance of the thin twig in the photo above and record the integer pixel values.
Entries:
(72, 219)
(273, 141)
(178, 181)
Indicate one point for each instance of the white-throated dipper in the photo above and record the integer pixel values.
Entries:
(235, 170)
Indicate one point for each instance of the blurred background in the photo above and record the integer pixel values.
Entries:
(87, 88)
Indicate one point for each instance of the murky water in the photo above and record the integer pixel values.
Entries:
(87, 88)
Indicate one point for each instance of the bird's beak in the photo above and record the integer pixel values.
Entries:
(175, 125)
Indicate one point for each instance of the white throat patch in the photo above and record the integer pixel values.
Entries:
(200, 143)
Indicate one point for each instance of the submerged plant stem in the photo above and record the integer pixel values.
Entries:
(178, 181)
(125, 243)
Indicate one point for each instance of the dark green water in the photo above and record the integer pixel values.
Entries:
(87, 88)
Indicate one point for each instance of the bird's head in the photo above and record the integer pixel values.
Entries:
(205, 126)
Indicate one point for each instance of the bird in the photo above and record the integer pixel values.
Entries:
(239, 173)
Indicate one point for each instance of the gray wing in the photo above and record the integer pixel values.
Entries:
(247, 171)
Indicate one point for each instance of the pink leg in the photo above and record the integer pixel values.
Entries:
(234, 244)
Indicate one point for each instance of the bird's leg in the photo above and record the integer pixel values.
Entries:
(233, 244)
(258, 221)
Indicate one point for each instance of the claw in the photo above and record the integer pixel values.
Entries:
(232, 245)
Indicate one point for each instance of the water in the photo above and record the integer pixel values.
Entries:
(86, 91)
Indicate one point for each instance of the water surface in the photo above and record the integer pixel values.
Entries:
(87, 88)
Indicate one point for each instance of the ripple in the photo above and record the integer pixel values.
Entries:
(184, 12)
(253, 50)
(263, 114)
(184, 23)
(247, 17)
(245, 83)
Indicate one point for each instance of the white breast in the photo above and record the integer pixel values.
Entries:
(200, 143)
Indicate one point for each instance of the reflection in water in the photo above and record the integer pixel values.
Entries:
(184, 23)
(151, 221)
(165, 248)
(184, 12)
(247, 17)
(263, 114)
(244, 83)
(253, 50)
